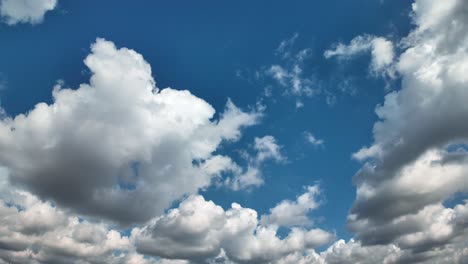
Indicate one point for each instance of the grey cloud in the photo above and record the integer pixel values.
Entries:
(411, 168)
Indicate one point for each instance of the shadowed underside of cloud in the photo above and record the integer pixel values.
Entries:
(197, 231)
(418, 159)
(120, 151)
(118, 147)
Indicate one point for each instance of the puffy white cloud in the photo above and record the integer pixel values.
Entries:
(418, 159)
(25, 11)
(267, 148)
(382, 52)
(118, 147)
(199, 229)
(294, 213)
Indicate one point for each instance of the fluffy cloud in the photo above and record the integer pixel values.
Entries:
(33, 231)
(418, 159)
(199, 229)
(25, 11)
(381, 49)
(294, 213)
(118, 147)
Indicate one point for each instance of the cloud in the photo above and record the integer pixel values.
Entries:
(313, 140)
(284, 48)
(266, 148)
(294, 213)
(199, 229)
(33, 231)
(289, 73)
(381, 49)
(118, 148)
(418, 159)
(25, 11)
(292, 79)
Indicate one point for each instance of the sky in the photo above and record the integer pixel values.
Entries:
(179, 132)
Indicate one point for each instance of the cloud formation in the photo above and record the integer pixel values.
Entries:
(25, 11)
(118, 148)
(294, 213)
(418, 159)
(265, 148)
(381, 49)
(198, 230)
(310, 138)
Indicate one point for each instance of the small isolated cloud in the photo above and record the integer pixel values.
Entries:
(25, 11)
(292, 79)
(310, 138)
(289, 72)
(265, 148)
(381, 49)
(284, 48)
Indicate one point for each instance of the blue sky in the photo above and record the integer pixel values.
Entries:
(201, 47)
(301, 118)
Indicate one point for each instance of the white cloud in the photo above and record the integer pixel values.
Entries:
(313, 140)
(284, 48)
(382, 52)
(294, 213)
(292, 79)
(118, 147)
(266, 148)
(289, 74)
(25, 11)
(199, 229)
(418, 159)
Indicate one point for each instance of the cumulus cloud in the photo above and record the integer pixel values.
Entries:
(25, 11)
(118, 147)
(199, 229)
(381, 49)
(33, 231)
(294, 213)
(418, 159)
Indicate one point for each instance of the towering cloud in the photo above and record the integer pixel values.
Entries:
(118, 147)
(419, 158)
